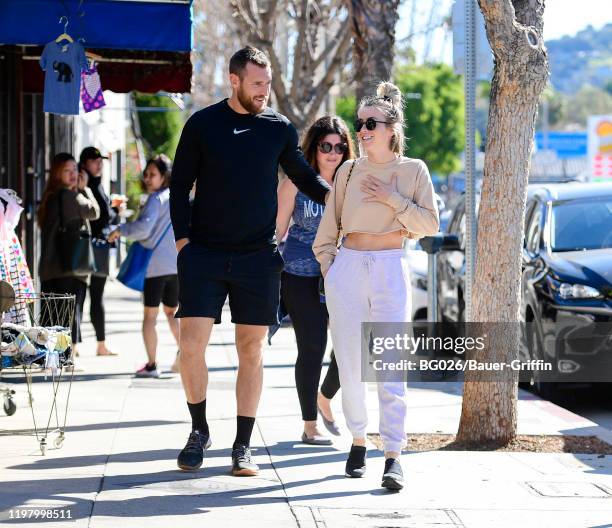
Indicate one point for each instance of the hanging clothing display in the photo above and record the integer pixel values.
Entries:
(13, 266)
(91, 89)
(62, 64)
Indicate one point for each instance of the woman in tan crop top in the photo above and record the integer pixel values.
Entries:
(376, 202)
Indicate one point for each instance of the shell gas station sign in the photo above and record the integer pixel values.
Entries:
(600, 147)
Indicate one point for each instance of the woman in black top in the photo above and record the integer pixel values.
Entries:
(66, 200)
(91, 162)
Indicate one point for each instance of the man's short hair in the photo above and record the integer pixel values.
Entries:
(240, 59)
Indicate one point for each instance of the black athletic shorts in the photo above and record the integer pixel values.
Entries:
(162, 289)
(251, 279)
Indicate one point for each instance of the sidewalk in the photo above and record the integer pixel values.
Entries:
(117, 466)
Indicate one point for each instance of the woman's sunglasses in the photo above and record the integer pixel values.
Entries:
(370, 123)
(326, 147)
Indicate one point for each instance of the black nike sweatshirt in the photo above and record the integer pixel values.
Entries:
(234, 159)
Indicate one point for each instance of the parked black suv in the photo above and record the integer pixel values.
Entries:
(566, 283)
(566, 280)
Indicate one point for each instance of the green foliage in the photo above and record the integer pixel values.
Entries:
(161, 130)
(346, 109)
(133, 176)
(567, 112)
(434, 115)
(588, 101)
(581, 59)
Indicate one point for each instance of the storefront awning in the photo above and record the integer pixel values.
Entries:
(123, 71)
(144, 45)
(154, 25)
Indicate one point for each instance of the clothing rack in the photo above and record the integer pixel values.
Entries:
(115, 60)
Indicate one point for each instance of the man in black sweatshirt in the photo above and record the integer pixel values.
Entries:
(226, 241)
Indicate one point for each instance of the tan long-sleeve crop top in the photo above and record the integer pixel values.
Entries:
(411, 209)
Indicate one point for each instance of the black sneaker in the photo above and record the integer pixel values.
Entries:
(393, 478)
(242, 465)
(192, 455)
(356, 463)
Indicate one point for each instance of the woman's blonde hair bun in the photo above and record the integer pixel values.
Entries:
(388, 90)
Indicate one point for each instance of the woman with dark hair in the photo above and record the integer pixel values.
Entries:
(153, 229)
(67, 203)
(90, 161)
(326, 146)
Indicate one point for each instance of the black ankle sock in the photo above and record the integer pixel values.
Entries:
(150, 366)
(244, 428)
(198, 416)
(357, 453)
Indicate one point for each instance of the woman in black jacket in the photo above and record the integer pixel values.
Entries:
(91, 162)
(67, 202)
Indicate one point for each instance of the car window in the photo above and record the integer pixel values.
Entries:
(529, 209)
(581, 224)
(534, 231)
(455, 222)
(461, 231)
(528, 212)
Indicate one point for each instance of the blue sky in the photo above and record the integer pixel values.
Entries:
(561, 17)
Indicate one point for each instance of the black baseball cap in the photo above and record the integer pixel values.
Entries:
(90, 153)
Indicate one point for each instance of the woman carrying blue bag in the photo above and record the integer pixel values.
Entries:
(152, 257)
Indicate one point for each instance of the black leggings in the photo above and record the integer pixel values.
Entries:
(309, 317)
(96, 305)
(66, 285)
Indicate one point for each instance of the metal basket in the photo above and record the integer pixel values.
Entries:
(42, 309)
(39, 321)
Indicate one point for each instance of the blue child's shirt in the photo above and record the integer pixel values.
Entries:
(62, 63)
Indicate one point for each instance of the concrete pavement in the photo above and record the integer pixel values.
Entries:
(117, 466)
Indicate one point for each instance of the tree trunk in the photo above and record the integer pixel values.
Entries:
(215, 41)
(373, 26)
(315, 63)
(514, 30)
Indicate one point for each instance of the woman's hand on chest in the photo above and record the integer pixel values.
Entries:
(376, 190)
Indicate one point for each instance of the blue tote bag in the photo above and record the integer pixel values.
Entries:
(133, 269)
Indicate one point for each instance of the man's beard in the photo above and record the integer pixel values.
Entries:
(248, 104)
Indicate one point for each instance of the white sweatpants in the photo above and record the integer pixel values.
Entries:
(368, 286)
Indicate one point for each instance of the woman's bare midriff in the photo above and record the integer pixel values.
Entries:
(370, 242)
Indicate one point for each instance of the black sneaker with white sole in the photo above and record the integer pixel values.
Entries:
(393, 477)
(242, 463)
(192, 455)
(356, 463)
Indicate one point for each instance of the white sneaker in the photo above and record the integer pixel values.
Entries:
(145, 373)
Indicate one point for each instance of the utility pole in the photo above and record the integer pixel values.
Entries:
(470, 152)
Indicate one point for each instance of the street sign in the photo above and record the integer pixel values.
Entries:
(484, 55)
(600, 147)
(564, 144)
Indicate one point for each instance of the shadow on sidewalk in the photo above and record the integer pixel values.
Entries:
(206, 489)
(95, 427)
(17, 377)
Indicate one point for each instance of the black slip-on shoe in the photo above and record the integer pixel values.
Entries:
(330, 425)
(242, 463)
(356, 463)
(318, 440)
(393, 478)
(192, 455)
